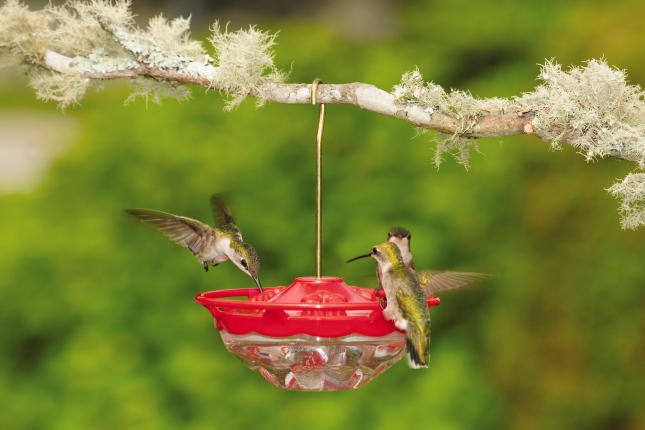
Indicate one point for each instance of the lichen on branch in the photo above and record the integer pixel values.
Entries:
(245, 62)
(592, 108)
(631, 191)
(465, 108)
(102, 38)
(67, 48)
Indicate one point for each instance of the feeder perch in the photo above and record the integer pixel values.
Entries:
(317, 334)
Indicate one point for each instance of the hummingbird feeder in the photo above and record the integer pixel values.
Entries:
(317, 334)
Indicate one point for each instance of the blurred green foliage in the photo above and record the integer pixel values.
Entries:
(98, 329)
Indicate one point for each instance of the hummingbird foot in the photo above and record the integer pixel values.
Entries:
(382, 300)
(205, 266)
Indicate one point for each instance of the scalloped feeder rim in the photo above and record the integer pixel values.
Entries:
(324, 307)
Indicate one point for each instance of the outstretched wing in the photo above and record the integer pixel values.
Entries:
(223, 218)
(184, 231)
(433, 282)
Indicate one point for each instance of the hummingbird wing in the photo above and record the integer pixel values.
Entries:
(223, 218)
(184, 231)
(436, 281)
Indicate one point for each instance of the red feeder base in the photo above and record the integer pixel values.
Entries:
(314, 335)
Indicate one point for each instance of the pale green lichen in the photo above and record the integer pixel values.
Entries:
(466, 108)
(66, 89)
(102, 61)
(20, 30)
(101, 37)
(631, 191)
(458, 146)
(172, 36)
(413, 88)
(155, 91)
(147, 52)
(245, 62)
(72, 29)
(591, 107)
(8, 59)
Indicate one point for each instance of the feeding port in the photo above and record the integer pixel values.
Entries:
(318, 334)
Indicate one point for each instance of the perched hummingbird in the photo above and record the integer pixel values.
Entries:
(430, 280)
(406, 301)
(211, 245)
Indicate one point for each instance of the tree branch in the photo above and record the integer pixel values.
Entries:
(364, 96)
(591, 107)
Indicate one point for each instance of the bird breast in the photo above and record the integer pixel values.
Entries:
(215, 250)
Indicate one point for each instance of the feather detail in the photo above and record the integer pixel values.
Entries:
(184, 231)
(436, 281)
(223, 217)
(415, 312)
(418, 349)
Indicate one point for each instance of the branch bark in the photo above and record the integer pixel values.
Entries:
(365, 96)
(592, 107)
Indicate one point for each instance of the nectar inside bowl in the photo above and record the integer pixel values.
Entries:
(317, 334)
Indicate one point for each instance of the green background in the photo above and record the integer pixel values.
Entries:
(98, 328)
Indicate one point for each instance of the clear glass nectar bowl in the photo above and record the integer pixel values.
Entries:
(309, 363)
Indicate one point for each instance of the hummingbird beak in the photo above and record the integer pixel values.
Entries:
(359, 257)
(258, 283)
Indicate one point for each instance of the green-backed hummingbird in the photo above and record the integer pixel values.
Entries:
(211, 245)
(432, 281)
(407, 305)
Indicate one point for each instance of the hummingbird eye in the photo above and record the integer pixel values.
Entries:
(244, 263)
(374, 251)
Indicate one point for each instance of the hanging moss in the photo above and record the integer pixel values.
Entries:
(631, 191)
(102, 37)
(591, 107)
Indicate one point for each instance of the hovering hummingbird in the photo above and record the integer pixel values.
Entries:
(430, 280)
(406, 301)
(211, 245)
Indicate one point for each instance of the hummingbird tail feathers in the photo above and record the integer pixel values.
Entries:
(416, 359)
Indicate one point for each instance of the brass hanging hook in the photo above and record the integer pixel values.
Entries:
(321, 123)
